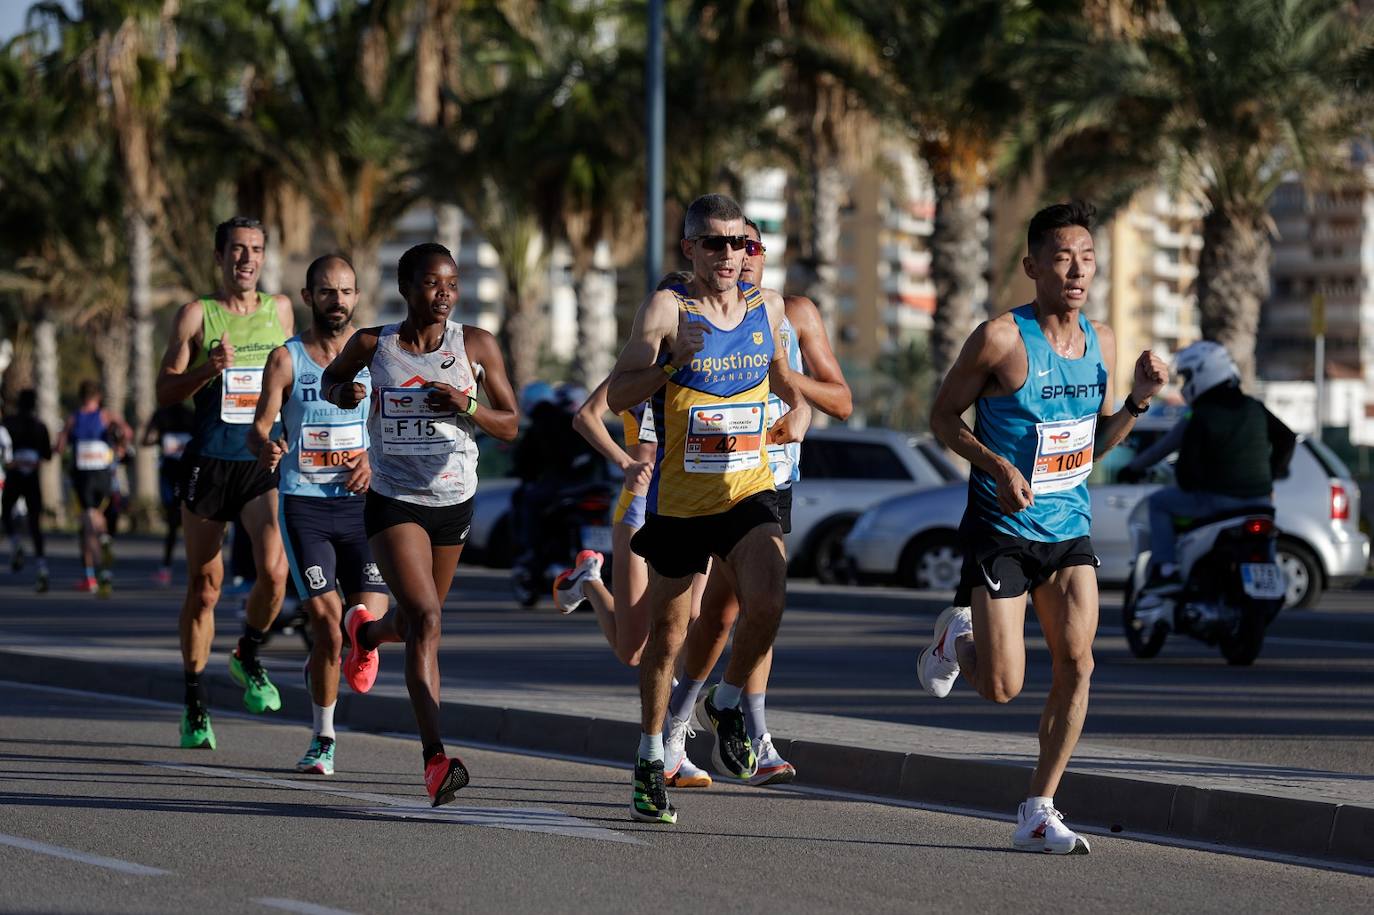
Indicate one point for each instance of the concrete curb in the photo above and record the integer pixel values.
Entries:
(1308, 828)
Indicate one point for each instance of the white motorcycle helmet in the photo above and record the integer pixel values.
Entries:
(1202, 366)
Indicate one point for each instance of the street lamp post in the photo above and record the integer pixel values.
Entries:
(653, 86)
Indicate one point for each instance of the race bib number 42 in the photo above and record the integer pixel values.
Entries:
(409, 426)
(724, 438)
(1063, 454)
(326, 450)
(239, 392)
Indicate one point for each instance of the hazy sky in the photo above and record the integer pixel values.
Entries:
(12, 14)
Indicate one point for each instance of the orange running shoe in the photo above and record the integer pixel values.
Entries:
(360, 667)
(444, 776)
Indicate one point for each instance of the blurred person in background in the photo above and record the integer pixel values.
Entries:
(30, 447)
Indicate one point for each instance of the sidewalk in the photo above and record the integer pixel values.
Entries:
(1305, 812)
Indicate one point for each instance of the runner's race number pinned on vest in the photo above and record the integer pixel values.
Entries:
(326, 449)
(409, 426)
(240, 389)
(1063, 454)
(723, 438)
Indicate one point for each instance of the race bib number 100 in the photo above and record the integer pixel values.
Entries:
(409, 426)
(326, 450)
(724, 438)
(239, 392)
(1063, 454)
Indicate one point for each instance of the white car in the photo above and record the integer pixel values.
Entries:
(844, 472)
(912, 540)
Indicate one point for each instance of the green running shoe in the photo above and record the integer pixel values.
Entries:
(106, 586)
(319, 759)
(196, 733)
(259, 695)
(41, 585)
(651, 804)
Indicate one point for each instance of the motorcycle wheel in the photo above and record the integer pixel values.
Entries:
(1141, 644)
(1242, 646)
(522, 588)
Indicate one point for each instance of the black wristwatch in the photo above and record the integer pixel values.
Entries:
(1134, 410)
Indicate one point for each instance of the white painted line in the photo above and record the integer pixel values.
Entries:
(295, 905)
(57, 851)
(550, 822)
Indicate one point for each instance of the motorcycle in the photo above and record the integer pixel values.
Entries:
(577, 518)
(1232, 586)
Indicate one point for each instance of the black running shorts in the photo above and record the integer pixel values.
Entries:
(678, 547)
(1007, 566)
(93, 488)
(218, 490)
(447, 525)
(326, 545)
(785, 509)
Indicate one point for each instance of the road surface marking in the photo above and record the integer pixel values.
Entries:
(525, 819)
(57, 851)
(295, 905)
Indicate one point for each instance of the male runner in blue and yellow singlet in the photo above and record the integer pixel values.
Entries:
(1038, 377)
(706, 355)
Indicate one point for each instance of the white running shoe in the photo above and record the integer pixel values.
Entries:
(1042, 829)
(938, 666)
(678, 770)
(773, 769)
(567, 587)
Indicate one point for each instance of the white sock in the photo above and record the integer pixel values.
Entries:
(1034, 802)
(324, 719)
(726, 696)
(651, 746)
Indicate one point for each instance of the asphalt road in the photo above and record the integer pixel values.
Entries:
(1308, 702)
(101, 815)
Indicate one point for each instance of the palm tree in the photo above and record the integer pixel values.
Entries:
(1223, 99)
(120, 58)
(954, 73)
(333, 112)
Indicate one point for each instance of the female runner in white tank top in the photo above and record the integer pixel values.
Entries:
(422, 424)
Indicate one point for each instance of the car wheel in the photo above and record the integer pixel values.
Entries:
(933, 561)
(827, 553)
(1303, 573)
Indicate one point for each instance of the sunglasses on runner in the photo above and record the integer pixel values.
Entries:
(754, 248)
(718, 242)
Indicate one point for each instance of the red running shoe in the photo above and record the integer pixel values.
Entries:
(444, 776)
(360, 667)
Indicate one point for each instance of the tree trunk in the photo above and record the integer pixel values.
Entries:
(596, 289)
(520, 334)
(112, 354)
(1232, 282)
(272, 258)
(49, 411)
(448, 229)
(142, 381)
(367, 265)
(958, 266)
(827, 191)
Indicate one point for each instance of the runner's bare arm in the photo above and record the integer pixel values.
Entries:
(501, 419)
(337, 385)
(175, 380)
(588, 423)
(286, 315)
(277, 379)
(1149, 374)
(988, 349)
(636, 377)
(823, 384)
(782, 381)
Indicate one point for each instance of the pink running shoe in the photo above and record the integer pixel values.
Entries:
(444, 777)
(360, 667)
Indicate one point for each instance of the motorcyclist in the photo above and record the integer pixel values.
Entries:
(549, 456)
(1230, 451)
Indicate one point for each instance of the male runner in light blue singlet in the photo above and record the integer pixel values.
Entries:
(1038, 376)
(324, 471)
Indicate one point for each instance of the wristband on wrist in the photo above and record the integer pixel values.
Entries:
(669, 370)
(472, 406)
(1136, 409)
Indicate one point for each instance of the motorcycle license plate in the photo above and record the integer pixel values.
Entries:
(597, 538)
(1262, 580)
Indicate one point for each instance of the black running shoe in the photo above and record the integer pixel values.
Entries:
(651, 804)
(734, 752)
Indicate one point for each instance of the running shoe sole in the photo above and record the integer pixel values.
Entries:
(455, 781)
(349, 667)
(777, 775)
(557, 586)
(662, 818)
(1080, 847)
(702, 780)
(941, 624)
(318, 767)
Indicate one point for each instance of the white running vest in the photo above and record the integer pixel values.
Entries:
(417, 455)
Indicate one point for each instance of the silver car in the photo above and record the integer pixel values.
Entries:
(912, 540)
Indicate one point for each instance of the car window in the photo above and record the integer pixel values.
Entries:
(850, 460)
(1106, 469)
(1330, 461)
(936, 457)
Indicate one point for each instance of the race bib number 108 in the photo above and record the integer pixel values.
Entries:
(327, 448)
